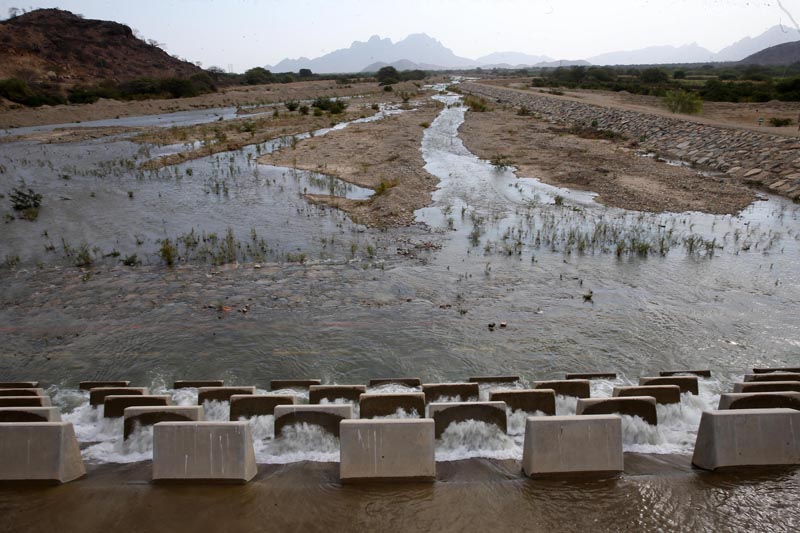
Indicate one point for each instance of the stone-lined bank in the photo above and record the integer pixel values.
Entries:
(768, 161)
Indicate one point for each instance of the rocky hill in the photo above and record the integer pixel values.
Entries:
(52, 45)
(783, 54)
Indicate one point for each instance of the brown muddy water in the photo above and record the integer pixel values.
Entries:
(269, 286)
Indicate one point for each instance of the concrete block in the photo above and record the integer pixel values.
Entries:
(89, 385)
(22, 392)
(686, 383)
(408, 382)
(434, 391)
(592, 375)
(327, 416)
(772, 376)
(114, 406)
(351, 393)
(39, 451)
(250, 405)
(579, 388)
(528, 400)
(747, 437)
(792, 369)
(25, 401)
(30, 414)
(207, 451)
(572, 444)
(393, 449)
(150, 415)
(494, 379)
(664, 394)
(444, 414)
(761, 386)
(19, 384)
(197, 383)
(760, 400)
(278, 384)
(372, 405)
(98, 395)
(699, 373)
(221, 394)
(642, 406)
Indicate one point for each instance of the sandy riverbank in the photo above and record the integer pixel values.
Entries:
(383, 154)
(611, 168)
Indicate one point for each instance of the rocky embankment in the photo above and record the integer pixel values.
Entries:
(767, 161)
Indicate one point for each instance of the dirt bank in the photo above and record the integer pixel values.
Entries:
(13, 116)
(611, 168)
(381, 155)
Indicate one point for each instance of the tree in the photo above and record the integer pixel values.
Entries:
(257, 76)
(388, 75)
(684, 102)
(305, 73)
(654, 75)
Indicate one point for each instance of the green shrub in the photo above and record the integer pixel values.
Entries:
(257, 76)
(23, 200)
(303, 109)
(476, 104)
(780, 122)
(681, 101)
(335, 106)
(291, 105)
(168, 252)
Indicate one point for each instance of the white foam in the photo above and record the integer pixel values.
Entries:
(217, 411)
(472, 438)
(400, 413)
(485, 389)
(138, 447)
(298, 442)
(393, 388)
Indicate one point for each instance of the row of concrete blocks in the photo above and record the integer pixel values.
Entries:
(404, 448)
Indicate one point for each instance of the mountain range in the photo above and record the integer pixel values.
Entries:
(420, 51)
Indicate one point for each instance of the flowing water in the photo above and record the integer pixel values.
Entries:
(581, 287)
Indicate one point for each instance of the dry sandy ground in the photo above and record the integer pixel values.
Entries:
(610, 168)
(226, 97)
(384, 152)
(714, 113)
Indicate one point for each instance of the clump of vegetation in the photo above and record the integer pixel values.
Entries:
(168, 252)
(476, 104)
(524, 112)
(499, 162)
(779, 122)
(681, 101)
(131, 261)
(292, 105)
(304, 109)
(334, 107)
(384, 186)
(26, 201)
(83, 257)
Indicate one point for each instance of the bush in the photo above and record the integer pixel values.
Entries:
(20, 92)
(303, 109)
(683, 102)
(291, 105)
(476, 104)
(168, 252)
(654, 76)
(388, 76)
(335, 106)
(780, 122)
(257, 76)
(22, 200)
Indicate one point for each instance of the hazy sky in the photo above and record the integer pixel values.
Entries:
(247, 33)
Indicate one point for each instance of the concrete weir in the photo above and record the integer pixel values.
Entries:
(642, 406)
(572, 444)
(207, 451)
(374, 405)
(772, 376)
(664, 394)
(114, 406)
(434, 391)
(529, 400)
(279, 384)
(89, 385)
(760, 400)
(21, 392)
(591, 375)
(578, 388)
(763, 386)
(250, 405)
(197, 383)
(19, 384)
(747, 437)
(221, 394)
(493, 379)
(791, 369)
(394, 449)
(98, 395)
(39, 451)
(444, 414)
(699, 373)
(331, 393)
(686, 383)
(326, 416)
(30, 414)
(150, 415)
(25, 401)
(408, 382)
